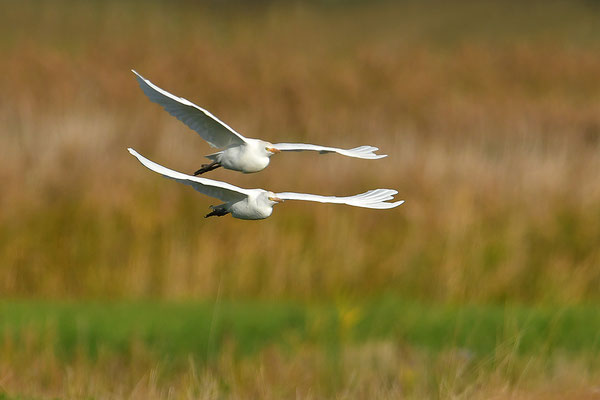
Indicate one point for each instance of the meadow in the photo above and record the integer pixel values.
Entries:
(384, 348)
(485, 283)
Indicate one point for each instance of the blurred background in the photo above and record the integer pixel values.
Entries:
(489, 112)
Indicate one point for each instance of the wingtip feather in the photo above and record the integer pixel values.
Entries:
(387, 206)
(365, 152)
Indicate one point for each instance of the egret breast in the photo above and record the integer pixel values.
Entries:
(244, 159)
(248, 209)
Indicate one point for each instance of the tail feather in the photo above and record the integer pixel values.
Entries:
(215, 156)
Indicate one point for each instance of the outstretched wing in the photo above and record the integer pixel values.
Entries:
(367, 152)
(220, 190)
(214, 131)
(372, 199)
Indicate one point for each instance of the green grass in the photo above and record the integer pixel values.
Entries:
(177, 330)
(5, 396)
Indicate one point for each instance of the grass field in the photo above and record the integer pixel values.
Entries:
(492, 131)
(484, 284)
(388, 347)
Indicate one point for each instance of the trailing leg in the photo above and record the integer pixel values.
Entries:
(219, 212)
(207, 167)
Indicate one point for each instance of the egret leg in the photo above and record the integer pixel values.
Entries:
(219, 212)
(207, 167)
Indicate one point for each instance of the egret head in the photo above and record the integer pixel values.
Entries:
(270, 149)
(273, 199)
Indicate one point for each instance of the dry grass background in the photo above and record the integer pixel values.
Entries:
(491, 121)
(380, 369)
(490, 112)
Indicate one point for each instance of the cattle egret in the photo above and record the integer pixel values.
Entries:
(258, 203)
(239, 153)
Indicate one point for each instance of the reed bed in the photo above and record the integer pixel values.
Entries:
(493, 132)
(490, 114)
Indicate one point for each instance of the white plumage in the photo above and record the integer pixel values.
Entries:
(258, 203)
(239, 153)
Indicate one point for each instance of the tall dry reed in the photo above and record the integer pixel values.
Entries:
(492, 125)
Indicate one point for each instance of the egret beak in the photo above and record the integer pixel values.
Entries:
(276, 199)
(273, 150)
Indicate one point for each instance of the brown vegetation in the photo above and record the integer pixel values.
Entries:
(493, 132)
(490, 112)
(383, 370)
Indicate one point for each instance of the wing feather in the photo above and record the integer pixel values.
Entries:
(210, 128)
(376, 199)
(366, 152)
(220, 190)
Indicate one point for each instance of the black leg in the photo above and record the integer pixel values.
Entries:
(207, 167)
(219, 212)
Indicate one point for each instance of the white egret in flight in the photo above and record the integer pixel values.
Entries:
(258, 203)
(239, 153)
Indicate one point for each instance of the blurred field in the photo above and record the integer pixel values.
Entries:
(493, 131)
(389, 348)
(490, 112)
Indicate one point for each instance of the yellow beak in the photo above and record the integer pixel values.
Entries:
(276, 199)
(273, 150)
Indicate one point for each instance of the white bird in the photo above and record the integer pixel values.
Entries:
(258, 203)
(240, 153)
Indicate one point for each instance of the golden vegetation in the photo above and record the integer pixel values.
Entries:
(492, 127)
(490, 112)
(383, 370)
